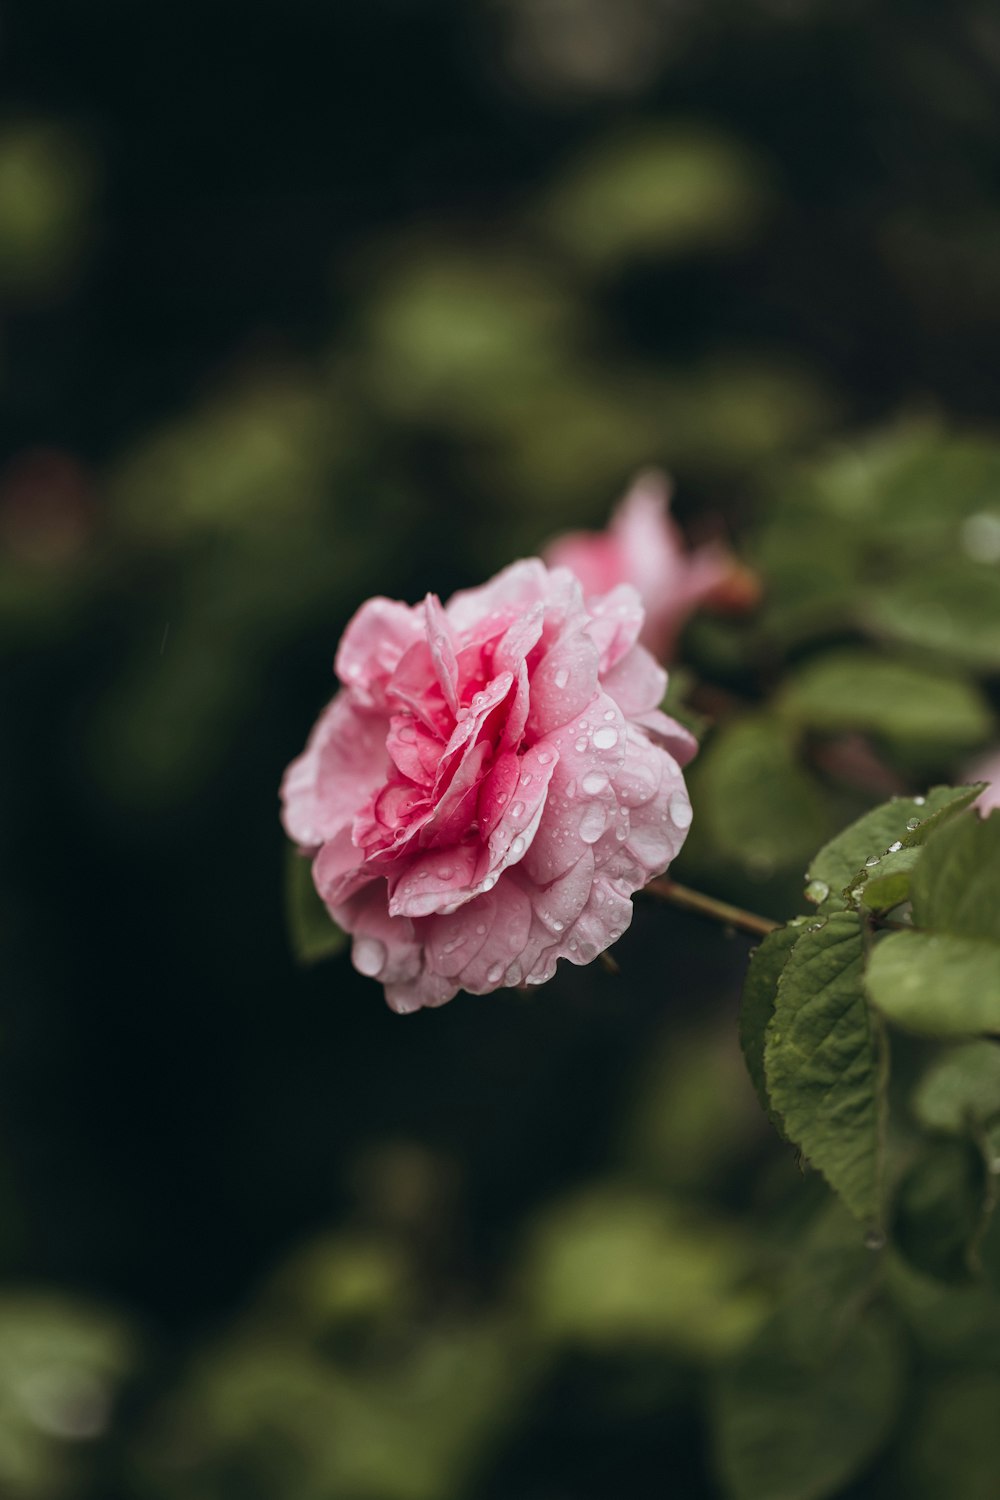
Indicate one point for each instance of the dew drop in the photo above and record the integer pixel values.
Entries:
(609, 714)
(446, 872)
(817, 891)
(369, 956)
(871, 861)
(494, 974)
(481, 929)
(580, 745)
(516, 809)
(912, 823)
(593, 822)
(895, 848)
(544, 757)
(527, 779)
(513, 974)
(455, 943)
(594, 782)
(680, 811)
(561, 677)
(919, 801)
(604, 739)
(874, 1240)
(489, 883)
(517, 847)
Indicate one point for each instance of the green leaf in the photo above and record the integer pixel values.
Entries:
(957, 886)
(936, 985)
(887, 884)
(939, 1209)
(793, 1428)
(760, 807)
(904, 820)
(944, 980)
(951, 610)
(312, 933)
(961, 1089)
(760, 991)
(857, 690)
(822, 1061)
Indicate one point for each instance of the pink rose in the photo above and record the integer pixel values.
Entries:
(490, 785)
(644, 547)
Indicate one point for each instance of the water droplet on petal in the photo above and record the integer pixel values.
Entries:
(517, 847)
(604, 739)
(561, 677)
(544, 757)
(494, 974)
(593, 822)
(527, 779)
(680, 811)
(446, 872)
(594, 782)
(516, 809)
(369, 956)
(609, 714)
(580, 745)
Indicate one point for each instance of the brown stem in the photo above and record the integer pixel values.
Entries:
(707, 906)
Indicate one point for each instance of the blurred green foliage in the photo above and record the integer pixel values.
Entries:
(370, 299)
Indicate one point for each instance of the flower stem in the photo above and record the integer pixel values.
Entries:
(707, 906)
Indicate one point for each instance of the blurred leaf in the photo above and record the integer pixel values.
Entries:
(793, 1428)
(613, 1268)
(953, 611)
(694, 1113)
(856, 690)
(936, 985)
(257, 455)
(945, 981)
(952, 1444)
(756, 802)
(61, 1366)
(939, 1208)
(960, 1089)
(312, 932)
(822, 1062)
(833, 1272)
(661, 191)
(262, 1416)
(956, 887)
(760, 993)
(952, 1323)
(47, 183)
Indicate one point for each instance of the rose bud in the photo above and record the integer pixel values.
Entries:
(491, 783)
(643, 546)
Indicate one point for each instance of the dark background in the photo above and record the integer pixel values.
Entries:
(240, 193)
